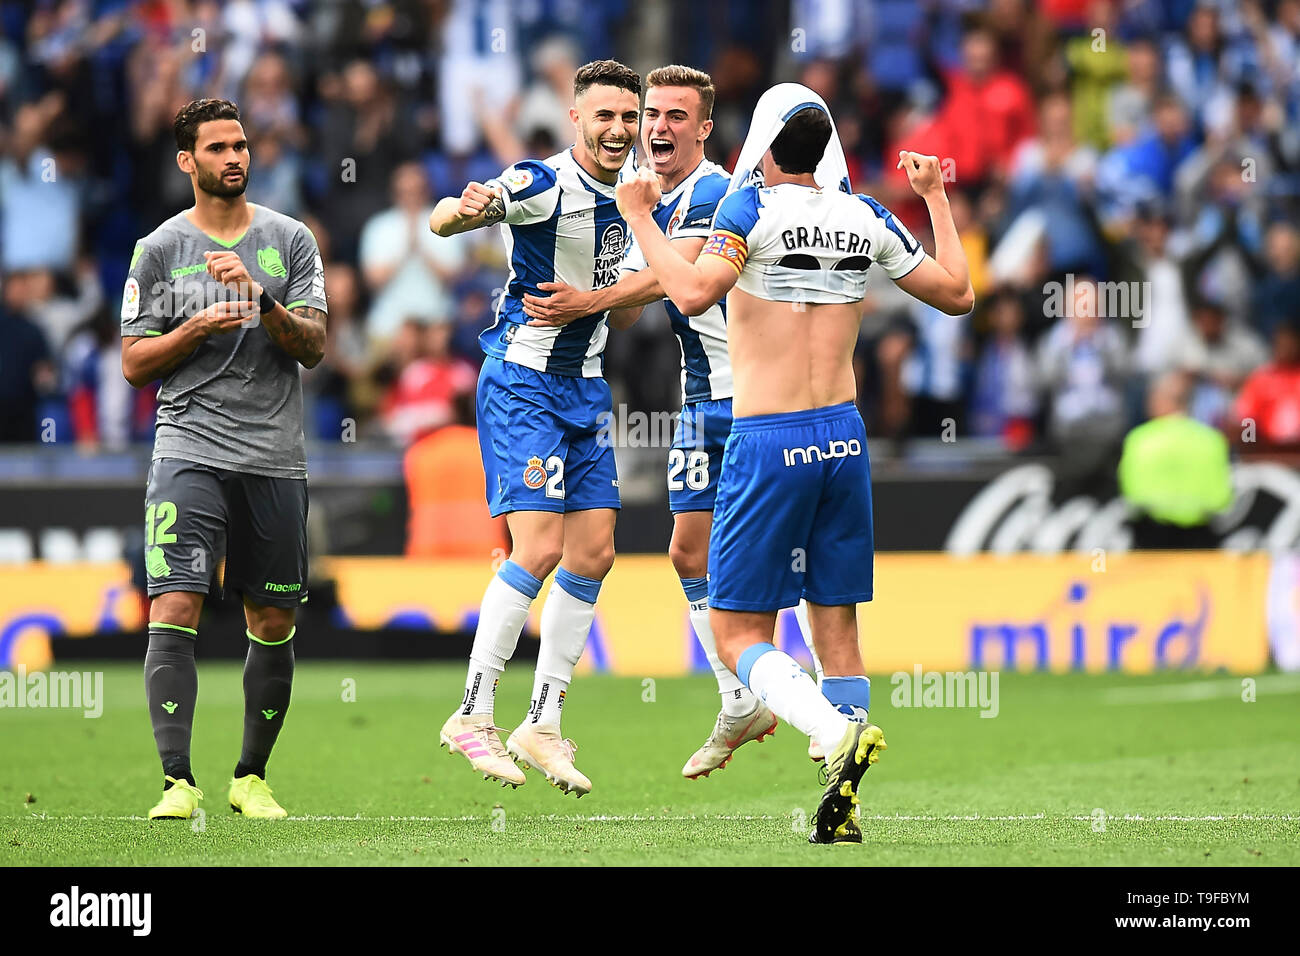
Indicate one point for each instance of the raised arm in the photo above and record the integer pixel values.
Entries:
(942, 281)
(477, 206)
(693, 286)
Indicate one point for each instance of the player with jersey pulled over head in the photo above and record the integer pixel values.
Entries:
(793, 515)
(675, 123)
(542, 406)
(223, 303)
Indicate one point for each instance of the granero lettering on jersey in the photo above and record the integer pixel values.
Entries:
(841, 240)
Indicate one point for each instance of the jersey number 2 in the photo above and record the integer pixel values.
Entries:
(555, 483)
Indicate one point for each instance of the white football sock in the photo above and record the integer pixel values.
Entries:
(500, 620)
(737, 701)
(801, 615)
(778, 680)
(566, 621)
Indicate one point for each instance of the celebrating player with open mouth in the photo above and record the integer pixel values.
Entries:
(793, 512)
(675, 123)
(223, 302)
(542, 402)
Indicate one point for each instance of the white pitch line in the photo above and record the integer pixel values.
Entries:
(681, 818)
(1201, 690)
(1175, 818)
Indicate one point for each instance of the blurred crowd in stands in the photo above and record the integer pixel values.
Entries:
(1125, 177)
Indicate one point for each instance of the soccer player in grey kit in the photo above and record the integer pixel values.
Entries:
(223, 302)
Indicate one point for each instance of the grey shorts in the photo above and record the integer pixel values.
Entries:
(196, 514)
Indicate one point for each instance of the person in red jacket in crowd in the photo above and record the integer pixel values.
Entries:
(1268, 408)
(428, 380)
(987, 111)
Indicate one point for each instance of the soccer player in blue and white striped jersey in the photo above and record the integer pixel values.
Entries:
(542, 402)
(675, 125)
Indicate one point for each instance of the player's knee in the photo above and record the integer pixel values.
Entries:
(688, 561)
(269, 624)
(593, 562)
(539, 560)
(177, 607)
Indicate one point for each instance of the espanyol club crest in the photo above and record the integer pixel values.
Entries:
(613, 243)
(534, 474)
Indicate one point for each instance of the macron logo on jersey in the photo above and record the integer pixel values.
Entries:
(835, 449)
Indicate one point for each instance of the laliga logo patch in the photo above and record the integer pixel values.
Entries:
(517, 179)
(534, 474)
(131, 299)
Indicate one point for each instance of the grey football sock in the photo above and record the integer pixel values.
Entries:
(171, 684)
(268, 679)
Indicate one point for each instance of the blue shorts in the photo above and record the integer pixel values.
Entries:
(793, 515)
(545, 440)
(695, 461)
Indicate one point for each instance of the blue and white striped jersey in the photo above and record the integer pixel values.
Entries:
(561, 225)
(687, 212)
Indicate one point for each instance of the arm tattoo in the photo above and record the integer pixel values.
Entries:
(495, 211)
(301, 333)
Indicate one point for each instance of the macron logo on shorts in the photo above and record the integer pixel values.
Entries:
(834, 449)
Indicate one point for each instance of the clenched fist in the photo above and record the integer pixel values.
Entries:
(477, 199)
(922, 172)
(228, 269)
(637, 194)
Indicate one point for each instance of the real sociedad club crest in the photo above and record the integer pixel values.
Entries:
(534, 474)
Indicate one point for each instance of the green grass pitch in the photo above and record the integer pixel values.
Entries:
(1074, 770)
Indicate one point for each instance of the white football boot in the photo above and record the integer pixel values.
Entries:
(475, 738)
(540, 747)
(728, 735)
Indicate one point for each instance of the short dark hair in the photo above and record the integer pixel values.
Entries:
(606, 73)
(190, 116)
(800, 145)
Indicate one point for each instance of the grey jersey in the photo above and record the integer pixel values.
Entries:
(236, 402)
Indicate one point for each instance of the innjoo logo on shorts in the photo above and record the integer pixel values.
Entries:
(835, 449)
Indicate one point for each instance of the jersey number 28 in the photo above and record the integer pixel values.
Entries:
(696, 467)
